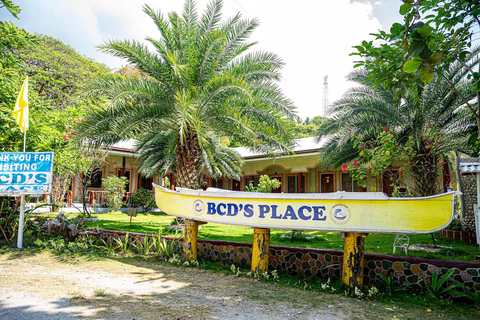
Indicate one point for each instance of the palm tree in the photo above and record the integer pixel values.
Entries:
(199, 84)
(431, 117)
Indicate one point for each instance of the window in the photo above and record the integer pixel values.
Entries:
(254, 181)
(348, 184)
(95, 178)
(127, 175)
(219, 183)
(145, 183)
(292, 183)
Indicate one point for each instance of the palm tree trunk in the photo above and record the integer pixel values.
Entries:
(426, 173)
(189, 162)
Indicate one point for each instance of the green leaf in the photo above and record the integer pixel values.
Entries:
(405, 8)
(360, 48)
(412, 65)
(476, 87)
(436, 58)
(426, 75)
(395, 29)
(417, 47)
(425, 31)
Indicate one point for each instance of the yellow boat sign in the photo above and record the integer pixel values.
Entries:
(370, 212)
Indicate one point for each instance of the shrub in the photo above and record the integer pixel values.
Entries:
(265, 185)
(144, 198)
(116, 191)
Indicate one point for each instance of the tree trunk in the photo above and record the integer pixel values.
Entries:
(188, 172)
(426, 173)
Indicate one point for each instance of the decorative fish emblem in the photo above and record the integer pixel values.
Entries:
(339, 214)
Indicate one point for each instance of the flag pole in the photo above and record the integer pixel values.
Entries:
(21, 117)
(21, 221)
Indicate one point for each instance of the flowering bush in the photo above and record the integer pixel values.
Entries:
(69, 128)
(144, 198)
(420, 155)
(374, 157)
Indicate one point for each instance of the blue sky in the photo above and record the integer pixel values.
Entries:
(314, 37)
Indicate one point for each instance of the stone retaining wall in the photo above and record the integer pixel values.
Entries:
(470, 199)
(308, 262)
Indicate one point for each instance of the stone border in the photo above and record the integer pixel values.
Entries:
(307, 262)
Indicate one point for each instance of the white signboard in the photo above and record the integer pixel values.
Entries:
(25, 173)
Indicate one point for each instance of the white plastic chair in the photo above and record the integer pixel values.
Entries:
(401, 241)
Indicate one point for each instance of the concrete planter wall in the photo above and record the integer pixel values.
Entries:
(467, 236)
(308, 262)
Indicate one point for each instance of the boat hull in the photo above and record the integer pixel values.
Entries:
(344, 212)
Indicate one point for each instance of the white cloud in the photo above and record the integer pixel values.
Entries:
(313, 37)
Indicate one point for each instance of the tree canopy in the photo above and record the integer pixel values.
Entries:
(435, 35)
(202, 82)
(428, 121)
(58, 69)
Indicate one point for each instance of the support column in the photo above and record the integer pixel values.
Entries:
(190, 239)
(261, 245)
(353, 259)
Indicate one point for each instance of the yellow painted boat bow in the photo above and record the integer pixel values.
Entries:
(369, 212)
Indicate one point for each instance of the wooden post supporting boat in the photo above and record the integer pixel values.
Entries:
(190, 238)
(353, 259)
(261, 245)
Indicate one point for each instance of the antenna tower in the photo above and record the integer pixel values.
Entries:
(326, 103)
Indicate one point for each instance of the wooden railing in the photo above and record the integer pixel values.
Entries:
(100, 197)
(69, 197)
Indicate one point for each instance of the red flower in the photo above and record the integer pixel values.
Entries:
(363, 148)
(65, 136)
(73, 132)
(355, 162)
(349, 129)
(385, 128)
(344, 167)
(68, 128)
(356, 166)
(69, 119)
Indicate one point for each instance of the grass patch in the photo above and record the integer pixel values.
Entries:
(77, 295)
(99, 293)
(374, 243)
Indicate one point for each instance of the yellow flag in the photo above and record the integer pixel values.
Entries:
(21, 107)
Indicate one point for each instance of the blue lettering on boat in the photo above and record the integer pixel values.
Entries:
(316, 213)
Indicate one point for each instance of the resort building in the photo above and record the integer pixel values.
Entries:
(300, 172)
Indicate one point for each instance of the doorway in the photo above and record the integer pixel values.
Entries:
(279, 189)
(127, 174)
(327, 183)
(235, 185)
(389, 181)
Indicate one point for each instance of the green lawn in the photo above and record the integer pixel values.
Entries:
(374, 243)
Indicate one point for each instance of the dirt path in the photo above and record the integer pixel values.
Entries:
(40, 285)
(43, 286)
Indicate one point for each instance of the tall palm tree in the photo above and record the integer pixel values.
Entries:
(364, 110)
(200, 83)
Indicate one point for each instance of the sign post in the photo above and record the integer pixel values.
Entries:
(23, 173)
